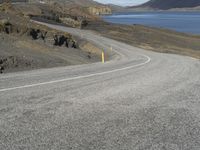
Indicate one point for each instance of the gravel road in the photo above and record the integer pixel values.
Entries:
(139, 100)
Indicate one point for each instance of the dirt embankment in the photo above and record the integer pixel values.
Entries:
(25, 45)
(155, 39)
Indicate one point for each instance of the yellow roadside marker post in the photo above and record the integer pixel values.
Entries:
(103, 57)
(111, 48)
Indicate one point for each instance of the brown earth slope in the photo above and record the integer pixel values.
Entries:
(155, 39)
(25, 45)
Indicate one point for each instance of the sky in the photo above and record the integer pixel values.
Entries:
(123, 2)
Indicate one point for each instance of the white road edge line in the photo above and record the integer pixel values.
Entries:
(78, 77)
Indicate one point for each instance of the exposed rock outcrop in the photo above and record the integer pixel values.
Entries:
(38, 34)
(60, 40)
(71, 22)
(100, 10)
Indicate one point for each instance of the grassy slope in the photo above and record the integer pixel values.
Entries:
(155, 39)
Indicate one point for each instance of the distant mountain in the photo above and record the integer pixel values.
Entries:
(169, 4)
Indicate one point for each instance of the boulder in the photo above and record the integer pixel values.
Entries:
(61, 40)
(38, 34)
(1, 69)
(5, 26)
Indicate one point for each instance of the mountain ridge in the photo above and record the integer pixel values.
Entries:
(169, 4)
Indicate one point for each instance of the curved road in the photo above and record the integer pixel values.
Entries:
(139, 100)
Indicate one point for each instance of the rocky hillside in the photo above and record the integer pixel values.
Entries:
(93, 7)
(77, 2)
(72, 16)
(169, 4)
(69, 2)
(25, 45)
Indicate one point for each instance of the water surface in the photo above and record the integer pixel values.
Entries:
(188, 22)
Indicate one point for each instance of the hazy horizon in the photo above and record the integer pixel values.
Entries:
(123, 3)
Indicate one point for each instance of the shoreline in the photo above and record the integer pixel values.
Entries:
(150, 38)
(172, 20)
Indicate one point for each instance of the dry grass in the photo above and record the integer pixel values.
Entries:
(155, 39)
(89, 47)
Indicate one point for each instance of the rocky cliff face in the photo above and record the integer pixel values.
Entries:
(99, 10)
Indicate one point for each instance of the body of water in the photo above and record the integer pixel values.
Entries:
(188, 22)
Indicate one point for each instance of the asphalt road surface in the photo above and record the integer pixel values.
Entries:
(139, 100)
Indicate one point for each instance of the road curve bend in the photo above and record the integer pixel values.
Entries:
(137, 100)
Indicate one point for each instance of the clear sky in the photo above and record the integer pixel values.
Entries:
(122, 2)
